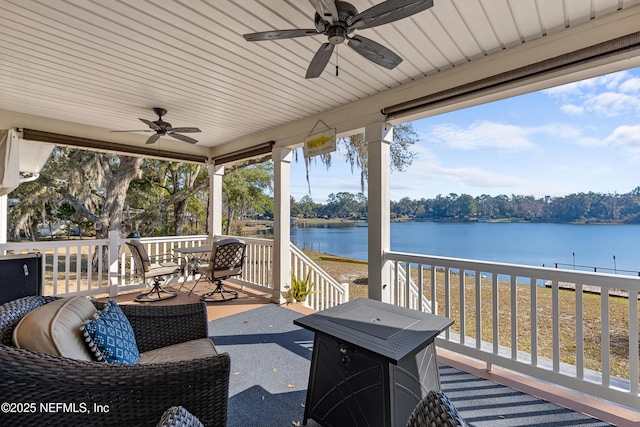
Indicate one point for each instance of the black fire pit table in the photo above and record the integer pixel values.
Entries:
(372, 363)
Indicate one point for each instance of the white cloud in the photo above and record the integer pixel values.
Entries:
(572, 110)
(606, 96)
(427, 172)
(612, 81)
(580, 88)
(628, 136)
(479, 178)
(482, 135)
(631, 85)
(568, 90)
(572, 134)
(509, 138)
(610, 104)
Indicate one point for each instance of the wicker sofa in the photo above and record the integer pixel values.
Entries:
(51, 390)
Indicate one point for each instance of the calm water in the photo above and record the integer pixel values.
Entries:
(517, 243)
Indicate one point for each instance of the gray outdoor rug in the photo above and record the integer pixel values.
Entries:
(270, 360)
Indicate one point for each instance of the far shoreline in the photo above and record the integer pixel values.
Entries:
(323, 221)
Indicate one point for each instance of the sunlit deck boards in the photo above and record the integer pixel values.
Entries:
(248, 299)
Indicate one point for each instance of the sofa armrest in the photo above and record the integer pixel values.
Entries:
(13, 311)
(158, 326)
(107, 394)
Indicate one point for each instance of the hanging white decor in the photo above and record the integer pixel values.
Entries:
(320, 142)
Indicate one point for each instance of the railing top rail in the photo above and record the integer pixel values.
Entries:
(550, 273)
(252, 240)
(52, 244)
(594, 268)
(166, 239)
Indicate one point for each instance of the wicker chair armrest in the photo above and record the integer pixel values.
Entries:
(13, 311)
(178, 416)
(435, 410)
(158, 326)
(106, 394)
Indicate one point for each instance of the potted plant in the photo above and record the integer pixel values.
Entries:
(300, 288)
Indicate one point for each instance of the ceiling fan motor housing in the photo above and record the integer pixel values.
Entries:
(337, 31)
(159, 111)
(164, 126)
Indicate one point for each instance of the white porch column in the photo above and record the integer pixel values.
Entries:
(379, 137)
(216, 172)
(281, 221)
(114, 258)
(4, 208)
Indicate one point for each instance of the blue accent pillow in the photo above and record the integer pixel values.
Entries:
(110, 337)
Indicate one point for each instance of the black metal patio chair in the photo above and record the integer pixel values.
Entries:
(225, 260)
(155, 269)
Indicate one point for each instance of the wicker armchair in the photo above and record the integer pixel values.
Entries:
(53, 390)
(435, 410)
(177, 416)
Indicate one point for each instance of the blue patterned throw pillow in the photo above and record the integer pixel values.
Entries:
(110, 336)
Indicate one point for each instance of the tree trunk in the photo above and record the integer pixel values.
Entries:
(111, 216)
(230, 213)
(179, 210)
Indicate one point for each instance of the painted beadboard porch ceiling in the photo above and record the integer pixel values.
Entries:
(103, 64)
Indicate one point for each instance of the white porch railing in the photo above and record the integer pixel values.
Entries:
(415, 298)
(258, 265)
(327, 292)
(67, 266)
(479, 296)
(490, 293)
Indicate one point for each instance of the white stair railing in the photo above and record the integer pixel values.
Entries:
(327, 292)
(411, 296)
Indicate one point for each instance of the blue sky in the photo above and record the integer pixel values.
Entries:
(579, 137)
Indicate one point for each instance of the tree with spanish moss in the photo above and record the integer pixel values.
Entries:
(357, 153)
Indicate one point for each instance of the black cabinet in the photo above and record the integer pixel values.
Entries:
(20, 276)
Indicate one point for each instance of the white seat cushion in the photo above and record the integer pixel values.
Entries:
(161, 269)
(194, 349)
(54, 328)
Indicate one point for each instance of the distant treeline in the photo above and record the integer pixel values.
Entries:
(580, 207)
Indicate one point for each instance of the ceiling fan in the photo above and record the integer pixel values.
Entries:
(337, 19)
(161, 127)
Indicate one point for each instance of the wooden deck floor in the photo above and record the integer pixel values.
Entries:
(249, 299)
